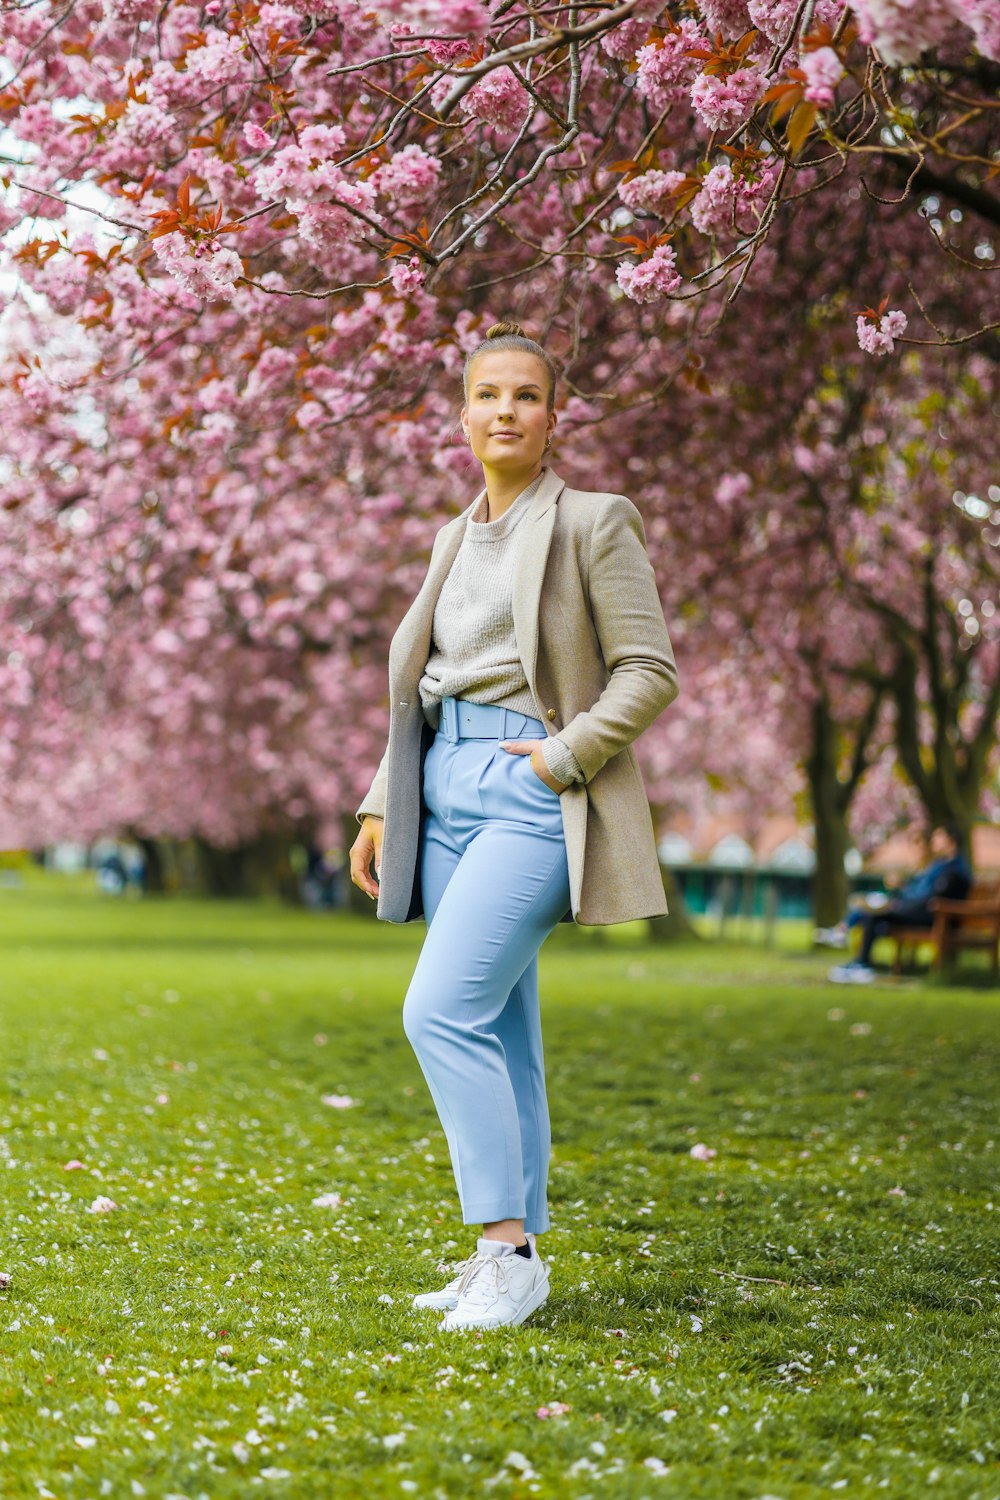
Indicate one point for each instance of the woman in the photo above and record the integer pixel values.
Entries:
(509, 797)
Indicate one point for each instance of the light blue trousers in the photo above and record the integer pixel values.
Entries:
(495, 881)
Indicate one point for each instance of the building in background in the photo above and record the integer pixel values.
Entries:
(724, 871)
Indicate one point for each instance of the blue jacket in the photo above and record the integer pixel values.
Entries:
(950, 878)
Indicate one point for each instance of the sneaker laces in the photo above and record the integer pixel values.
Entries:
(485, 1275)
(461, 1267)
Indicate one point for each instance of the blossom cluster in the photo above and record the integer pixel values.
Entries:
(499, 99)
(728, 202)
(409, 177)
(665, 72)
(652, 192)
(823, 70)
(418, 16)
(901, 31)
(329, 205)
(725, 102)
(877, 337)
(656, 276)
(208, 270)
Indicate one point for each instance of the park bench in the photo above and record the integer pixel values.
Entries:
(972, 923)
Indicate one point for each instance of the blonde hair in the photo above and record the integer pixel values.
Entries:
(511, 336)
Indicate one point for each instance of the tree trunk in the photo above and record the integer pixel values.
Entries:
(155, 875)
(677, 922)
(260, 867)
(831, 801)
(830, 880)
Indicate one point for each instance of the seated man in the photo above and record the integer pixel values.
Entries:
(948, 874)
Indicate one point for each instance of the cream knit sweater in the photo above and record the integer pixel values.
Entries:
(473, 651)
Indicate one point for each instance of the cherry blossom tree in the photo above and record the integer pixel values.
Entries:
(248, 247)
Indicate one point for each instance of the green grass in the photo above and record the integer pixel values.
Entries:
(813, 1311)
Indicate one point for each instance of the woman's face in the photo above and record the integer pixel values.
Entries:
(506, 417)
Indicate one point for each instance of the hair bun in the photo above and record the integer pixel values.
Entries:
(506, 330)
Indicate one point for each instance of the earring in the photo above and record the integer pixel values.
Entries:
(548, 443)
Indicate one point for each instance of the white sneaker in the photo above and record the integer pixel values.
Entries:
(499, 1288)
(447, 1298)
(852, 973)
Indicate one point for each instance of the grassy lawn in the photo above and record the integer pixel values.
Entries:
(813, 1310)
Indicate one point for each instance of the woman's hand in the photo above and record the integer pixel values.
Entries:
(538, 765)
(367, 843)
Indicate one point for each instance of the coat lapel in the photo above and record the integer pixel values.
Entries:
(412, 641)
(529, 571)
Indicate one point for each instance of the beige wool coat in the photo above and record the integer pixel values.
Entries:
(597, 657)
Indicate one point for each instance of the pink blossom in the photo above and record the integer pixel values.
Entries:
(878, 338)
(223, 59)
(337, 1101)
(73, 1166)
(450, 16)
(823, 70)
(206, 270)
(270, 372)
(652, 278)
(773, 17)
(730, 491)
(724, 103)
(328, 1200)
(408, 177)
(317, 191)
(102, 1205)
(256, 138)
(445, 53)
(499, 99)
(218, 428)
(712, 209)
(728, 16)
(652, 192)
(665, 74)
(326, 226)
(625, 39)
(701, 1152)
(901, 29)
(305, 171)
(39, 392)
(554, 1409)
(728, 204)
(407, 275)
(310, 415)
(983, 16)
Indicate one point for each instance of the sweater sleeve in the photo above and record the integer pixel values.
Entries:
(561, 761)
(373, 804)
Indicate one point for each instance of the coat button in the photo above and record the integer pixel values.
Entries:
(551, 713)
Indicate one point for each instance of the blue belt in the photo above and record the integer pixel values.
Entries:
(462, 720)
